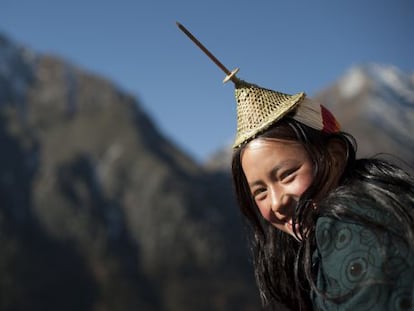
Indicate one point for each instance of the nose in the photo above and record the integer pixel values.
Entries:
(279, 204)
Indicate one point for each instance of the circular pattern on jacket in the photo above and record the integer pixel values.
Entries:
(343, 238)
(325, 234)
(354, 269)
(402, 300)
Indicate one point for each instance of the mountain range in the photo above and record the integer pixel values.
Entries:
(100, 211)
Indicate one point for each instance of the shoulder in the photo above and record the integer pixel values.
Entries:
(361, 267)
(376, 193)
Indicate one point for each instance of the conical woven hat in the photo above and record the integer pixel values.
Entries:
(258, 108)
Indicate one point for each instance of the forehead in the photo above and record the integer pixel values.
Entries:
(273, 146)
(260, 152)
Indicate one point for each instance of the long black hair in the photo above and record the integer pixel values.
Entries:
(283, 267)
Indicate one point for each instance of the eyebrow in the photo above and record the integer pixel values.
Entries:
(275, 170)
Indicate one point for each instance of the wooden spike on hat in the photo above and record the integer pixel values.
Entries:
(257, 107)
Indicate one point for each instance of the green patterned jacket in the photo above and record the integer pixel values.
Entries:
(358, 268)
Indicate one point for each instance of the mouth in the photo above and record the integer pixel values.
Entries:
(289, 227)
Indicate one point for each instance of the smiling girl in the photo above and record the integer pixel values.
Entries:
(329, 232)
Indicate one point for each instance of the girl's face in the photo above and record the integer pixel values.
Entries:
(277, 172)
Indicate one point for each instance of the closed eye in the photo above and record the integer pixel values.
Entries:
(259, 193)
(288, 175)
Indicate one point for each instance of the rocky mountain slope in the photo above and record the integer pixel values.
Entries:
(98, 210)
(375, 103)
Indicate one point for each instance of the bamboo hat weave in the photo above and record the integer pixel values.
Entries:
(258, 108)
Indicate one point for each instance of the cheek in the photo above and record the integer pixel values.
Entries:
(301, 185)
(264, 211)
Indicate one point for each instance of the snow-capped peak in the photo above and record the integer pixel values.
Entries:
(377, 77)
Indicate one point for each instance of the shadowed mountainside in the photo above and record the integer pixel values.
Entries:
(101, 212)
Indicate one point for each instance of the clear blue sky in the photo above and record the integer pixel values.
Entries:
(285, 45)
